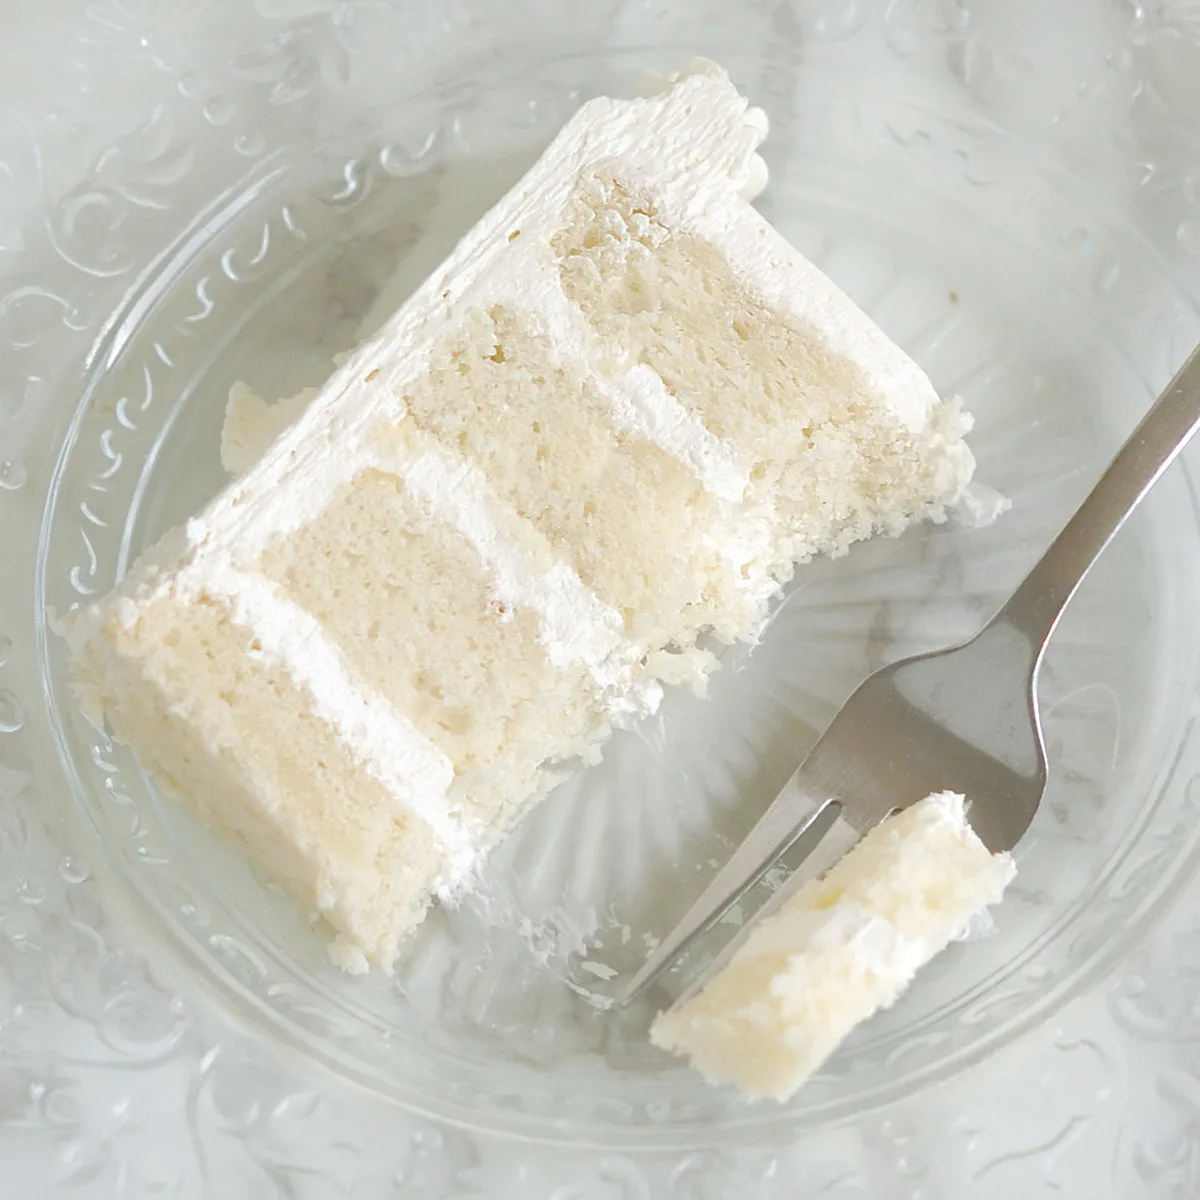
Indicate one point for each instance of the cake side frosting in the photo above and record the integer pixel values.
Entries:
(842, 948)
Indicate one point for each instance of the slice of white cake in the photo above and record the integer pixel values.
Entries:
(614, 419)
(839, 950)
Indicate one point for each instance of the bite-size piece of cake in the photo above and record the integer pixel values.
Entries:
(615, 418)
(842, 948)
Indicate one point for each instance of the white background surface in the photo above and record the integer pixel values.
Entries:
(115, 1082)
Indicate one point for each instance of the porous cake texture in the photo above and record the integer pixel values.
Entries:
(839, 950)
(615, 418)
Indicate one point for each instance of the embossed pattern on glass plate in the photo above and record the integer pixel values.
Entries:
(491, 1023)
(150, 1093)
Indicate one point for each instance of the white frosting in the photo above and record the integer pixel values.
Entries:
(389, 746)
(640, 400)
(575, 625)
(251, 425)
(874, 940)
(889, 955)
(642, 404)
(756, 172)
(980, 506)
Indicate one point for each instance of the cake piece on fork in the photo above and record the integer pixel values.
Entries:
(842, 948)
(614, 419)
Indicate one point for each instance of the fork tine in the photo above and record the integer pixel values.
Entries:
(787, 818)
(835, 837)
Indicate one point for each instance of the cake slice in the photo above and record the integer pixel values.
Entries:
(613, 420)
(839, 950)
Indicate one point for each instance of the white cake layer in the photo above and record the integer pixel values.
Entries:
(839, 950)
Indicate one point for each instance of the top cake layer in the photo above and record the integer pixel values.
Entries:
(614, 418)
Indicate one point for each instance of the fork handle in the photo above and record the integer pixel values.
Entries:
(1037, 604)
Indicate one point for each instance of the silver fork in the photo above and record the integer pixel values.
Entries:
(964, 719)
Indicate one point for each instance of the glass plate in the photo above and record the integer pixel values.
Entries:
(1010, 283)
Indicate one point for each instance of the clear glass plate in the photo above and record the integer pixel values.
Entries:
(1012, 286)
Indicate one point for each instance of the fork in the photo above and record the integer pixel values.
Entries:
(963, 719)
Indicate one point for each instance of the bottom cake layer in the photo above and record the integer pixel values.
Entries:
(215, 720)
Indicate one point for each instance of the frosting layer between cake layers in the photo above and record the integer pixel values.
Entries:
(615, 418)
